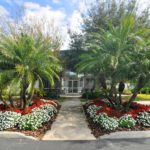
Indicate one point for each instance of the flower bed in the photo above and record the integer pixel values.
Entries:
(103, 119)
(34, 120)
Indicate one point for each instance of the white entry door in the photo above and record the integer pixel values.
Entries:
(73, 86)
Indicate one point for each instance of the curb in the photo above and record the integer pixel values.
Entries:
(126, 135)
(15, 135)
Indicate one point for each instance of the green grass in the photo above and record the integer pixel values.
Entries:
(140, 97)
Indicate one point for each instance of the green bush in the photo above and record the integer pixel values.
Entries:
(127, 121)
(50, 109)
(143, 119)
(34, 120)
(106, 123)
(8, 119)
(92, 110)
(51, 94)
(92, 95)
(127, 92)
(145, 90)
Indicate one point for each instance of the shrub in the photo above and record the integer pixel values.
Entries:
(92, 95)
(34, 120)
(127, 121)
(127, 92)
(145, 90)
(92, 110)
(54, 94)
(42, 114)
(143, 119)
(8, 119)
(50, 109)
(106, 122)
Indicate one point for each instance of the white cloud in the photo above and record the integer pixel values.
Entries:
(3, 12)
(75, 22)
(56, 1)
(52, 21)
(30, 6)
(34, 10)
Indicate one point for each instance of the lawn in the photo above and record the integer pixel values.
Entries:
(140, 97)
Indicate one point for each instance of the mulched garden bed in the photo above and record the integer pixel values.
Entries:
(37, 105)
(97, 131)
(41, 131)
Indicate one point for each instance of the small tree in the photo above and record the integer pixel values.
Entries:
(115, 52)
(76, 49)
(27, 61)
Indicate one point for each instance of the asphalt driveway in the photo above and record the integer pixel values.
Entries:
(103, 144)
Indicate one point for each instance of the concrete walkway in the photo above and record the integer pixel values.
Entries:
(70, 123)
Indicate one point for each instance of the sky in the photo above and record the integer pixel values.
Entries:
(65, 13)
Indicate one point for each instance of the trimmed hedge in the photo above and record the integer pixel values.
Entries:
(145, 90)
(92, 95)
(54, 94)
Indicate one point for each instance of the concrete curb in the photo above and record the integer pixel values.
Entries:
(15, 135)
(126, 135)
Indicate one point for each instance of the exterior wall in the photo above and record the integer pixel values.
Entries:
(88, 83)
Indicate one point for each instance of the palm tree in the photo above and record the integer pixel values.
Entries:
(111, 53)
(27, 61)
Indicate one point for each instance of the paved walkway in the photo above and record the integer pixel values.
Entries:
(70, 123)
(144, 102)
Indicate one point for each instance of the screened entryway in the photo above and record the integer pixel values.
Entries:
(72, 84)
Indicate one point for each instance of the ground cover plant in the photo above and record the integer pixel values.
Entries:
(34, 120)
(102, 118)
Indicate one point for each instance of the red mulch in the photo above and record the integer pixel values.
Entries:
(134, 110)
(41, 131)
(36, 103)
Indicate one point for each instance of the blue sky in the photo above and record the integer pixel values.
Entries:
(66, 14)
(67, 5)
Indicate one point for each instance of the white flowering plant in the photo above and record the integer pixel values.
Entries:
(8, 119)
(143, 118)
(106, 122)
(92, 110)
(127, 121)
(50, 109)
(34, 120)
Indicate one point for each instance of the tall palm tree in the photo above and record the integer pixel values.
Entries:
(27, 61)
(111, 55)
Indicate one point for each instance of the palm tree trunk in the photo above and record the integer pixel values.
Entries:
(4, 102)
(141, 82)
(120, 98)
(24, 97)
(23, 94)
(94, 85)
(104, 86)
(11, 101)
(133, 97)
(103, 81)
(30, 97)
